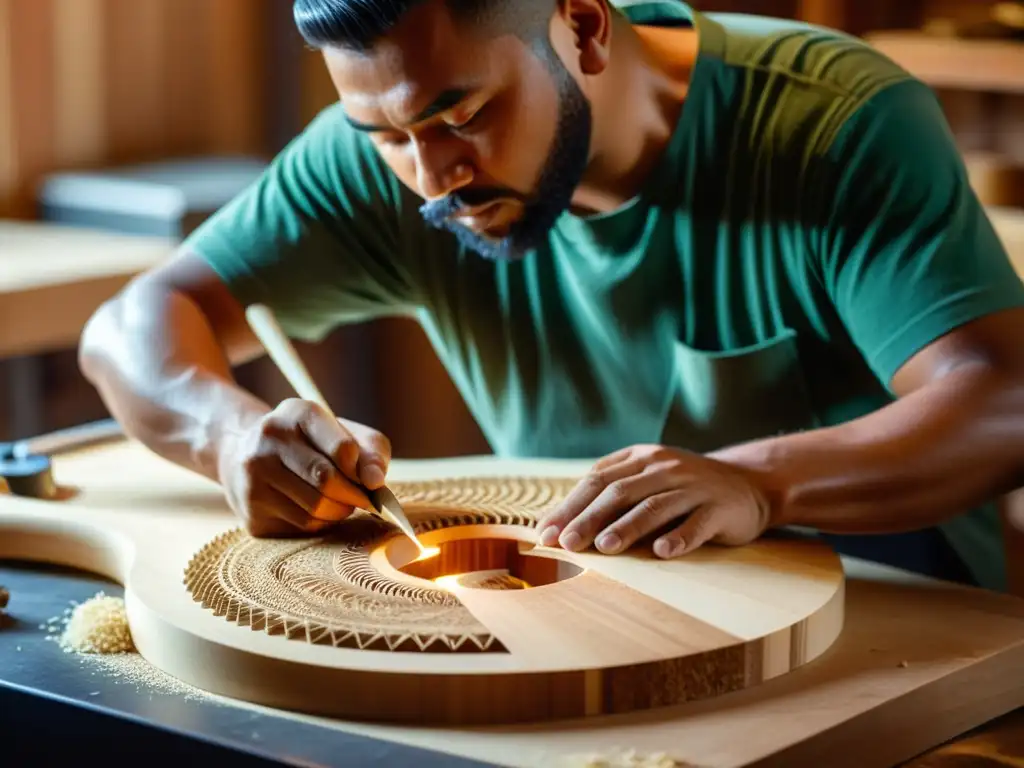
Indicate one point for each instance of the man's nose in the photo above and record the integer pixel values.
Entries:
(440, 169)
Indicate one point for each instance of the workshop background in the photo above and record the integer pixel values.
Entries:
(136, 118)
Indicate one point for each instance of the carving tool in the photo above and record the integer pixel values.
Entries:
(287, 360)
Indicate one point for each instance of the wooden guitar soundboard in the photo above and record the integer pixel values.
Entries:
(763, 655)
(493, 629)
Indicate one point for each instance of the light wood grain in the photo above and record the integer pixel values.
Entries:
(987, 65)
(79, 83)
(597, 641)
(90, 83)
(919, 662)
(53, 278)
(997, 179)
(1009, 226)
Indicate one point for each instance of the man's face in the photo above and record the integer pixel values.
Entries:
(494, 135)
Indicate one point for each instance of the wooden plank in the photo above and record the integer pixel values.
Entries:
(43, 266)
(1009, 226)
(187, 81)
(33, 113)
(984, 65)
(997, 180)
(235, 111)
(919, 663)
(1000, 744)
(135, 73)
(825, 13)
(79, 83)
(8, 155)
(588, 619)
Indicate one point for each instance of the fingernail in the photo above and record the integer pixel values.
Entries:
(373, 477)
(549, 536)
(668, 549)
(609, 543)
(571, 541)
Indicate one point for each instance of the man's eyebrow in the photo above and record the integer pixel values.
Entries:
(445, 101)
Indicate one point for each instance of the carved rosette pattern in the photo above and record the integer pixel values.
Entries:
(325, 591)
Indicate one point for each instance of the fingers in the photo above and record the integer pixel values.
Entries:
(614, 458)
(631, 496)
(333, 500)
(374, 454)
(324, 433)
(698, 529)
(278, 515)
(553, 527)
(315, 477)
(300, 469)
(646, 517)
(360, 454)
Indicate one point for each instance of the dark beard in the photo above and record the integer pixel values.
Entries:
(563, 169)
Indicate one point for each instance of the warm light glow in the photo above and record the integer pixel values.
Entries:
(447, 582)
(426, 553)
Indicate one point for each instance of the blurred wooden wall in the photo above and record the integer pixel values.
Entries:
(86, 83)
(89, 83)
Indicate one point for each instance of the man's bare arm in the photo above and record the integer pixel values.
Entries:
(160, 354)
(953, 440)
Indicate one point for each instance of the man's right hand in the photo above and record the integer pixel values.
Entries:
(297, 470)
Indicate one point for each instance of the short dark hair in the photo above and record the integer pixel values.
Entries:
(359, 24)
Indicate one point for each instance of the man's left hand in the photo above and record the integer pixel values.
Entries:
(642, 489)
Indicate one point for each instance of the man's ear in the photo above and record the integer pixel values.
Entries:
(591, 25)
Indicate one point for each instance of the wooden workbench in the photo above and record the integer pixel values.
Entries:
(918, 661)
(52, 278)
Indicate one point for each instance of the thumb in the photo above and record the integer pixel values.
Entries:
(374, 454)
(699, 527)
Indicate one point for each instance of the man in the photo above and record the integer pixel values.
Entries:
(736, 257)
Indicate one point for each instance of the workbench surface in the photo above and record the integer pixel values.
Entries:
(56, 705)
(44, 691)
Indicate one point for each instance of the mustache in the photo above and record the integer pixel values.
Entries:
(449, 206)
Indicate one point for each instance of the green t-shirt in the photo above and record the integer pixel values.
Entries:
(809, 229)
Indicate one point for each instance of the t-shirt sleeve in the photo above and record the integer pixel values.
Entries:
(907, 252)
(319, 237)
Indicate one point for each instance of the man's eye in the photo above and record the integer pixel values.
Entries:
(473, 121)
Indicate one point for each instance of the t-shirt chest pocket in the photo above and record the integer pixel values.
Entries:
(724, 398)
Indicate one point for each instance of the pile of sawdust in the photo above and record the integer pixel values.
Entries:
(97, 630)
(132, 669)
(628, 758)
(99, 625)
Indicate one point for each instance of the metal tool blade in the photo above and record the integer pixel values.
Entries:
(387, 506)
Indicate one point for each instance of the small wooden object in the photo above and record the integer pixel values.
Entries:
(354, 626)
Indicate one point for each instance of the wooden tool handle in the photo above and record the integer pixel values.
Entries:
(284, 354)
